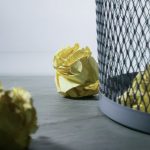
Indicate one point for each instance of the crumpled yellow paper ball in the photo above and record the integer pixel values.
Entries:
(1, 87)
(138, 95)
(76, 72)
(17, 119)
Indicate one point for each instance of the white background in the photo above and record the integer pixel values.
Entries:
(32, 30)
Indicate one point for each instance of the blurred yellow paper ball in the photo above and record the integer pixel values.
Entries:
(18, 119)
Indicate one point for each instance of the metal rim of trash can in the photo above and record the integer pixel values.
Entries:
(124, 115)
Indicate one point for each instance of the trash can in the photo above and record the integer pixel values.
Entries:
(123, 44)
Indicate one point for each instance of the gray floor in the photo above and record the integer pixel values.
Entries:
(66, 124)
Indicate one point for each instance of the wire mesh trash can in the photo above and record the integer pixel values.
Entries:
(123, 39)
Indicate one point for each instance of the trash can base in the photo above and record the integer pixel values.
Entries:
(124, 115)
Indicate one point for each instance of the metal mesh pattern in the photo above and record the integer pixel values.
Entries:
(123, 38)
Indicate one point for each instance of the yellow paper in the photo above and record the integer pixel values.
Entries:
(138, 96)
(76, 72)
(1, 86)
(17, 119)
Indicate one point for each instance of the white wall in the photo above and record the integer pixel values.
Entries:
(32, 30)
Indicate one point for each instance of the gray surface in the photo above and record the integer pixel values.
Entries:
(67, 124)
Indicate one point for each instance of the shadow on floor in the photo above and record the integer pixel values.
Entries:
(44, 143)
(87, 98)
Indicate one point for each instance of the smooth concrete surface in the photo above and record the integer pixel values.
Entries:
(67, 124)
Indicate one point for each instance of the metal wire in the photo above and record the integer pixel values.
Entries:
(123, 38)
